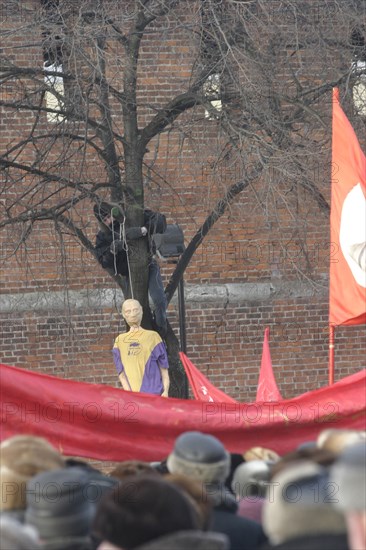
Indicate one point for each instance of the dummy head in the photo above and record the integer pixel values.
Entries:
(132, 312)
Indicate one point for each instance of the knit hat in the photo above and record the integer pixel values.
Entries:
(199, 456)
(296, 506)
(101, 210)
(348, 474)
(22, 457)
(60, 503)
(104, 209)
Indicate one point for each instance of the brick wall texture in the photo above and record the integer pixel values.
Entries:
(48, 323)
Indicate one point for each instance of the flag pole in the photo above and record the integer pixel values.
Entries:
(331, 354)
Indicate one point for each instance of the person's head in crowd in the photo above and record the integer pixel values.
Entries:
(132, 468)
(251, 479)
(293, 509)
(142, 509)
(21, 458)
(203, 457)
(198, 495)
(106, 213)
(261, 453)
(349, 476)
(61, 505)
(199, 456)
(235, 460)
(306, 445)
(322, 457)
(102, 211)
(336, 440)
(160, 466)
(71, 462)
(15, 536)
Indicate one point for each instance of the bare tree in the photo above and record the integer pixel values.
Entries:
(96, 105)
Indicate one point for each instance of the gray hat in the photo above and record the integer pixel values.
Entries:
(251, 478)
(15, 536)
(199, 456)
(59, 503)
(348, 474)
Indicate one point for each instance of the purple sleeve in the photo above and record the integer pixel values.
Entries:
(117, 361)
(161, 355)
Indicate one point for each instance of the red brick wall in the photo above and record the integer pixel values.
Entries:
(223, 340)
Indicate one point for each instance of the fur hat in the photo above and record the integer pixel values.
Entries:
(199, 456)
(336, 440)
(60, 503)
(22, 457)
(349, 474)
(260, 453)
(251, 478)
(132, 467)
(296, 507)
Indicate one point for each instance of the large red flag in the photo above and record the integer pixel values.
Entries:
(347, 294)
(105, 423)
(202, 388)
(267, 388)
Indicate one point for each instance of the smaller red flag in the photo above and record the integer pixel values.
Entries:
(267, 388)
(202, 388)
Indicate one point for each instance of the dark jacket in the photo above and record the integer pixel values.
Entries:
(184, 540)
(154, 223)
(243, 533)
(312, 542)
(68, 543)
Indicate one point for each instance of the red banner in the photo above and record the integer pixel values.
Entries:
(347, 294)
(105, 423)
(202, 388)
(267, 387)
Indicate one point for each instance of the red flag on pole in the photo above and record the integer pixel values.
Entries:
(202, 388)
(347, 294)
(267, 387)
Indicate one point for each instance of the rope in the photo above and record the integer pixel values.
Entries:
(123, 230)
(123, 238)
(114, 248)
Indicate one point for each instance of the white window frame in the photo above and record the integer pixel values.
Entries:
(359, 87)
(52, 100)
(212, 86)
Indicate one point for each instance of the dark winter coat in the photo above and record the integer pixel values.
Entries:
(312, 542)
(154, 223)
(184, 540)
(243, 533)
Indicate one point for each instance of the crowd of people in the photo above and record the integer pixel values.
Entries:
(200, 497)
